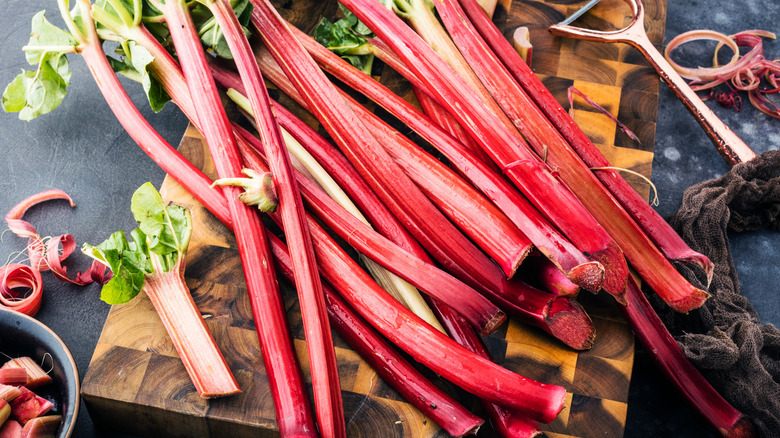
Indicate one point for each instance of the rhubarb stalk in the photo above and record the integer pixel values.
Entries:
(670, 359)
(393, 368)
(561, 317)
(322, 356)
(508, 150)
(544, 237)
(480, 312)
(308, 166)
(154, 262)
(430, 347)
(467, 208)
(290, 399)
(651, 265)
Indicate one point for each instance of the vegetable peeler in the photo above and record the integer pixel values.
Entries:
(732, 148)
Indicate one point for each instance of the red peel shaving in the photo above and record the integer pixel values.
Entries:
(572, 91)
(20, 288)
(21, 285)
(750, 72)
(36, 248)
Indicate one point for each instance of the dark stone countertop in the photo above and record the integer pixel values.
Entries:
(81, 149)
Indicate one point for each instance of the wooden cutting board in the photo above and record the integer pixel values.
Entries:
(136, 383)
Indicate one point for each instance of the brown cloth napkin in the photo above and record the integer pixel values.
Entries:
(725, 339)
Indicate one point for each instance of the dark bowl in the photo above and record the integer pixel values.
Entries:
(21, 335)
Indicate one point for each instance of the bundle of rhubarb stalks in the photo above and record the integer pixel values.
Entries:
(502, 207)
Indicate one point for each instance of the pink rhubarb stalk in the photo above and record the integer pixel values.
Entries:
(319, 342)
(189, 334)
(290, 398)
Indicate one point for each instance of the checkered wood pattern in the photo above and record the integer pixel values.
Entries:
(136, 383)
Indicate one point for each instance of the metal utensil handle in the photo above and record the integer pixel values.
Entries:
(731, 147)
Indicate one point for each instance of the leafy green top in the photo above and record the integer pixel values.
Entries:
(348, 38)
(163, 233)
(33, 93)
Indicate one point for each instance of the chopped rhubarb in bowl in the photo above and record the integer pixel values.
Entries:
(23, 336)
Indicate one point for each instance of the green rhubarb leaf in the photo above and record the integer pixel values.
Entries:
(348, 38)
(163, 233)
(167, 228)
(47, 40)
(33, 93)
(127, 262)
(134, 63)
(211, 34)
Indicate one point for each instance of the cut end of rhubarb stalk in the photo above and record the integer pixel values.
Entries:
(616, 271)
(692, 301)
(567, 321)
(493, 324)
(743, 428)
(589, 276)
(702, 262)
(521, 41)
(550, 414)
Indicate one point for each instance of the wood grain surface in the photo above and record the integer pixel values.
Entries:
(136, 383)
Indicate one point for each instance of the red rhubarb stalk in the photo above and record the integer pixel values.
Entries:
(673, 363)
(428, 346)
(409, 332)
(667, 240)
(398, 192)
(480, 312)
(402, 290)
(290, 398)
(319, 342)
(393, 368)
(479, 219)
(506, 422)
(560, 317)
(533, 177)
(651, 265)
(544, 236)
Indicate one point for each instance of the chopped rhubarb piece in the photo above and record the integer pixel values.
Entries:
(8, 392)
(13, 376)
(5, 411)
(25, 407)
(42, 427)
(36, 376)
(11, 429)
